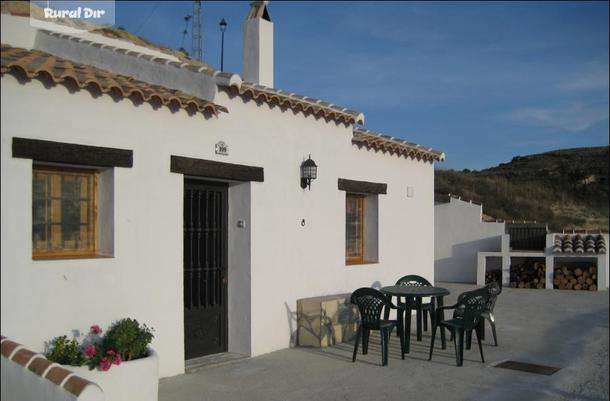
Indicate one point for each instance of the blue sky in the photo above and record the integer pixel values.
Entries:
(483, 82)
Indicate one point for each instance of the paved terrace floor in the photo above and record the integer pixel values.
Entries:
(565, 329)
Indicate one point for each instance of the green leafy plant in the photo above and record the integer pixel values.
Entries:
(65, 352)
(129, 338)
(125, 340)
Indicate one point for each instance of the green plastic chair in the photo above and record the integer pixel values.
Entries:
(422, 309)
(371, 303)
(494, 290)
(466, 316)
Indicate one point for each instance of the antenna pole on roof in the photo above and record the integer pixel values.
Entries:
(197, 42)
(187, 18)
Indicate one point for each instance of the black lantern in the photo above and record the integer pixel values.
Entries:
(309, 172)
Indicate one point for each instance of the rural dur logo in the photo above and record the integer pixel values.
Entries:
(78, 12)
(71, 16)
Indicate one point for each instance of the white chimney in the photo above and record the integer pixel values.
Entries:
(258, 45)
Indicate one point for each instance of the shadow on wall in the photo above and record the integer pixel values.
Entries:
(84, 338)
(292, 326)
(324, 321)
(461, 266)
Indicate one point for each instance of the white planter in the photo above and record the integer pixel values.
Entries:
(136, 380)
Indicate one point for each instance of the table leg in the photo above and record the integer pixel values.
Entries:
(418, 302)
(407, 329)
(441, 316)
(400, 321)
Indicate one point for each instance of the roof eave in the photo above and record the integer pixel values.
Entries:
(384, 143)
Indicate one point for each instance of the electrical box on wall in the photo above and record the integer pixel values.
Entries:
(410, 192)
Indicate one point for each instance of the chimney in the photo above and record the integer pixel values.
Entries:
(258, 45)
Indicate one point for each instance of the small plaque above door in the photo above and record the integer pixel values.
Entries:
(222, 148)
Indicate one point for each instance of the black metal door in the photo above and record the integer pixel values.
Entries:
(205, 268)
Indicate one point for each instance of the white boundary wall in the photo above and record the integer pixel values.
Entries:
(459, 234)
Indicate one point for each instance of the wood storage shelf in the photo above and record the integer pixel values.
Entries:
(528, 274)
(493, 276)
(575, 277)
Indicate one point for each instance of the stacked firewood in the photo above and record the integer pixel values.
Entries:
(528, 274)
(493, 276)
(579, 278)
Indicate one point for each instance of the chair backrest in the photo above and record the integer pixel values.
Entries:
(470, 305)
(413, 281)
(371, 303)
(494, 290)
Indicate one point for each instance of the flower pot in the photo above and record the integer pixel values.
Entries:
(136, 380)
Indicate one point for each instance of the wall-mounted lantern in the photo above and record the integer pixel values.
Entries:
(309, 172)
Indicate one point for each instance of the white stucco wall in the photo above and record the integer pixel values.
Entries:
(19, 383)
(273, 261)
(459, 234)
(42, 299)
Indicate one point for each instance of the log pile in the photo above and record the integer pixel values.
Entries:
(494, 275)
(528, 274)
(575, 278)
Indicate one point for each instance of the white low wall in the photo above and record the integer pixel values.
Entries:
(459, 234)
(130, 381)
(26, 375)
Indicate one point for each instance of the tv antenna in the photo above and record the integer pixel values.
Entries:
(187, 18)
(197, 38)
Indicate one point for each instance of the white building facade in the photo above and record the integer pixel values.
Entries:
(240, 145)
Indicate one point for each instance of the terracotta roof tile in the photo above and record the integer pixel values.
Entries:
(568, 243)
(300, 103)
(57, 374)
(8, 347)
(39, 365)
(34, 63)
(376, 141)
(76, 385)
(272, 96)
(23, 356)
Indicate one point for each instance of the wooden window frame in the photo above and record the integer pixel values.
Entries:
(94, 251)
(357, 260)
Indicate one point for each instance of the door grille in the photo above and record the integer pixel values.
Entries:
(203, 264)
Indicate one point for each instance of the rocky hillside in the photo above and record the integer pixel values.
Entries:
(567, 188)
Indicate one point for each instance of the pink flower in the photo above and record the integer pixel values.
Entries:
(90, 351)
(95, 329)
(105, 364)
(114, 356)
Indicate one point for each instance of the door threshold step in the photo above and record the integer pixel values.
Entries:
(213, 361)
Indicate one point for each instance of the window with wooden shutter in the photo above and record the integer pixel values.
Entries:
(64, 215)
(354, 228)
